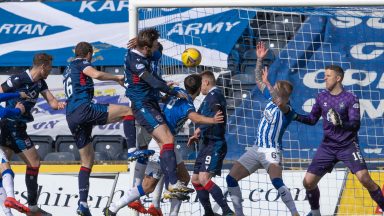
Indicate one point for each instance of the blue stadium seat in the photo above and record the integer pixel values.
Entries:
(43, 148)
(122, 156)
(101, 156)
(15, 157)
(114, 69)
(59, 156)
(272, 31)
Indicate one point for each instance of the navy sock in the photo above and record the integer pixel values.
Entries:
(168, 162)
(314, 198)
(32, 186)
(203, 196)
(130, 130)
(217, 195)
(84, 183)
(377, 196)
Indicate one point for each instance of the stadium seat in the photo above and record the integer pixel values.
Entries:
(39, 138)
(272, 31)
(114, 69)
(43, 148)
(59, 156)
(291, 22)
(101, 156)
(112, 148)
(122, 156)
(69, 147)
(15, 157)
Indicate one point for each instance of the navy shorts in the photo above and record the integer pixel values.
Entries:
(14, 136)
(149, 115)
(211, 156)
(82, 120)
(326, 157)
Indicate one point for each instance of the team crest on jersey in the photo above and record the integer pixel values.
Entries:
(140, 66)
(342, 105)
(325, 104)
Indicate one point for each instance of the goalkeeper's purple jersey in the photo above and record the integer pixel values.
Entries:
(347, 105)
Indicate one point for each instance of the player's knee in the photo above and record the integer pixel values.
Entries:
(149, 188)
(277, 183)
(204, 180)
(231, 182)
(308, 185)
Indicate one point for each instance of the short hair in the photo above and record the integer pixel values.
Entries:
(42, 59)
(146, 37)
(209, 74)
(337, 69)
(284, 88)
(82, 49)
(192, 83)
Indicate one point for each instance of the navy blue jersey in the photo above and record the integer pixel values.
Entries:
(137, 90)
(213, 102)
(23, 82)
(78, 87)
(176, 112)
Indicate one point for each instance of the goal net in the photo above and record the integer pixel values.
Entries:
(302, 41)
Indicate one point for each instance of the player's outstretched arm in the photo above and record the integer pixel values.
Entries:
(160, 85)
(313, 116)
(52, 101)
(103, 76)
(200, 119)
(12, 95)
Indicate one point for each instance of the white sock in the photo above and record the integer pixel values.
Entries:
(157, 193)
(286, 196)
(138, 175)
(175, 207)
(3, 196)
(237, 199)
(129, 196)
(8, 184)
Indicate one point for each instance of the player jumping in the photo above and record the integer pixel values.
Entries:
(267, 151)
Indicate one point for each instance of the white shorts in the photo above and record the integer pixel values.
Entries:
(257, 157)
(153, 167)
(3, 157)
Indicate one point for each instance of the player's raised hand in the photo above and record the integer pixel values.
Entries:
(261, 50)
(132, 43)
(24, 95)
(219, 117)
(334, 117)
(21, 107)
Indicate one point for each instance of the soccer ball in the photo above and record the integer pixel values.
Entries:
(191, 57)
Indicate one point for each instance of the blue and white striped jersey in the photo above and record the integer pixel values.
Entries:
(272, 125)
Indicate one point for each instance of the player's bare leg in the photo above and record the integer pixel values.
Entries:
(373, 189)
(313, 193)
(237, 173)
(275, 173)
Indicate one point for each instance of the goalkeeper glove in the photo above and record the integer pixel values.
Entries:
(334, 117)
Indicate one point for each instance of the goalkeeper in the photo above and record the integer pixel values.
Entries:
(340, 110)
